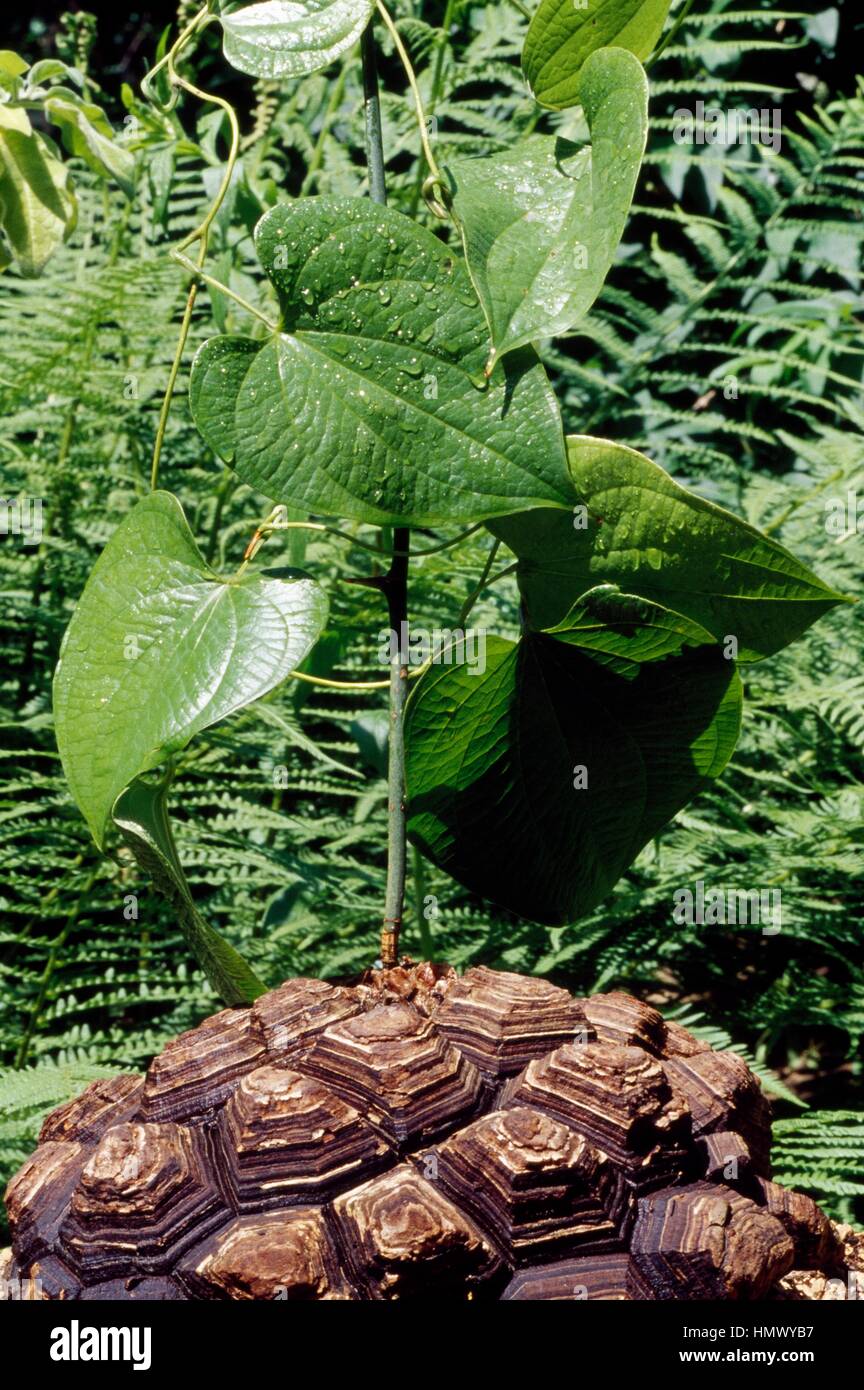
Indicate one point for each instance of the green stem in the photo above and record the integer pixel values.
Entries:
(198, 22)
(199, 274)
(434, 171)
(372, 118)
(483, 583)
(435, 92)
(200, 234)
(172, 377)
(393, 584)
(267, 526)
(326, 684)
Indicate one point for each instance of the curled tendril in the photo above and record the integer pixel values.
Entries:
(195, 26)
(151, 95)
(436, 196)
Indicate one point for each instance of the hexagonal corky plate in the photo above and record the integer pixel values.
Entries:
(417, 1136)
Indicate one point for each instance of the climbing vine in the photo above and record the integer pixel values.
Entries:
(396, 386)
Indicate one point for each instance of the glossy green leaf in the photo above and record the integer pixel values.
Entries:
(562, 36)
(541, 223)
(37, 208)
(633, 525)
(284, 39)
(537, 783)
(371, 402)
(141, 815)
(161, 647)
(87, 133)
(219, 370)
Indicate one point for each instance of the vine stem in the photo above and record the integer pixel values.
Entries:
(198, 22)
(267, 526)
(395, 587)
(327, 684)
(372, 117)
(173, 374)
(483, 583)
(200, 234)
(434, 179)
(195, 269)
(435, 91)
(393, 584)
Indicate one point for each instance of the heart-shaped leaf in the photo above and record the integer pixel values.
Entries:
(562, 36)
(537, 783)
(541, 223)
(161, 647)
(632, 525)
(281, 38)
(141, 815)
(371, 403)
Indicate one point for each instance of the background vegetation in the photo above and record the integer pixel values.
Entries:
(728, 345)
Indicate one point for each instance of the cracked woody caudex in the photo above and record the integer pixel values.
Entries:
(417, 1135)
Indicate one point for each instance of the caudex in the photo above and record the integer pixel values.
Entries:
(399, 389)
